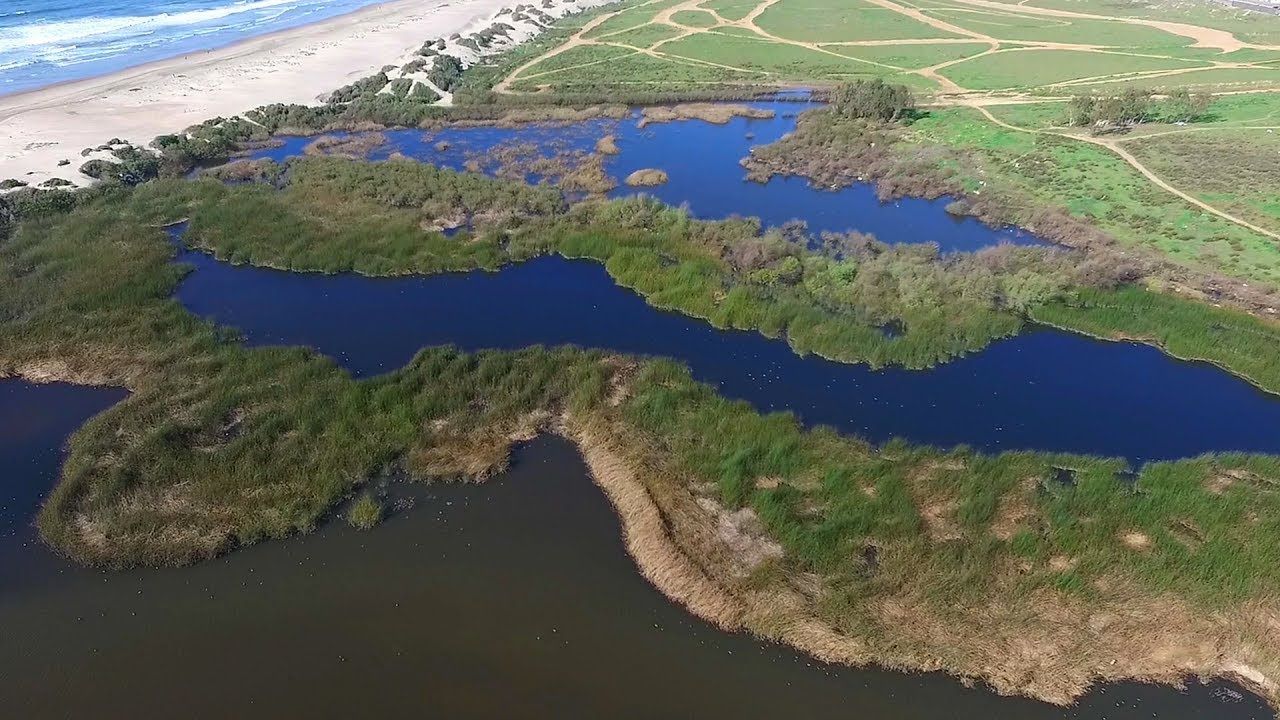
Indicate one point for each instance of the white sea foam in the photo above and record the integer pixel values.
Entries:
(41, 35)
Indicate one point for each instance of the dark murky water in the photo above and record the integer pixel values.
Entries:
(510, 600)
(1044, 389)
(34, 422)
(703, 163)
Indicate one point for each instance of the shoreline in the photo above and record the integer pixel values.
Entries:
(148, 65)
(43, 127)
(710, 585)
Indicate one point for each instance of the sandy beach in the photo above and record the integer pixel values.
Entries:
(40, 128)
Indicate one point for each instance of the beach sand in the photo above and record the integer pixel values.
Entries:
(298, 65)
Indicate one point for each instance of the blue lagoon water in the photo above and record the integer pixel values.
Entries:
(48, 41)
(1042, 390)
(703, 162)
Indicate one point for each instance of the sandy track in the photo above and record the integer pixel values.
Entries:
(1114, 146)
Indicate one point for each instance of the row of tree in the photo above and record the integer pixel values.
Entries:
(1134, 107)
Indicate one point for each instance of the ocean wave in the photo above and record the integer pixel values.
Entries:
(59, 34)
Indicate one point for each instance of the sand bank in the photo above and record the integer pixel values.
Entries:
(40, 128)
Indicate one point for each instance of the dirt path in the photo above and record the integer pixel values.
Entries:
(1114, 146)
(504, 85)
(1204, 37)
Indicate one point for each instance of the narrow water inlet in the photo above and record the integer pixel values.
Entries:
(1041, 390)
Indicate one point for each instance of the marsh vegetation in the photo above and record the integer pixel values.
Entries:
(220, 445)
(906, 556)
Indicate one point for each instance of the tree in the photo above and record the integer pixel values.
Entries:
(873, 99)
(1082, 110)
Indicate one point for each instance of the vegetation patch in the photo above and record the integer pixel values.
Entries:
(365, 513)
(647, 177)
(783, 61)
(694, 18)
(717, 113)
(909, 56)
(1070, 191)
(910, 557)
(644, 36)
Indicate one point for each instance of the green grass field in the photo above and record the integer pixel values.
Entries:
(1093, 183)
(1236, 170)
(842, 20)
(1101, 47)
(1015, 69)
(1247, 26)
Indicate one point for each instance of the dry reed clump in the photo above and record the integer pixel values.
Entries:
(355, 147)
(717, 113)
(1135, 540)
(161, 523)
(470, 456)
(1015, 511)
(645, 533)
(552, 115)
(622, 371)
(242, 171)
(647, 177)
(573, 170)
(452, 451)
(741, 532)
(588, 176)
(607, 145)
(53, 370)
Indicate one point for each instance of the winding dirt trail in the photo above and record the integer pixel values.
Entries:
(1114, 146)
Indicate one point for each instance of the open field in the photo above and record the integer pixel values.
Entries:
(1086, 45)
(1244, 177)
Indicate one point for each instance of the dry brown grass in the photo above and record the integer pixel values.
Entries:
(607, 145)
(355, 147)
(1135, 540)
(646, 177)
(717, 113)
(645, 532)
(1015, 511)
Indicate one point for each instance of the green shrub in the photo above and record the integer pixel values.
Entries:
(873, 99)
(365, 512)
